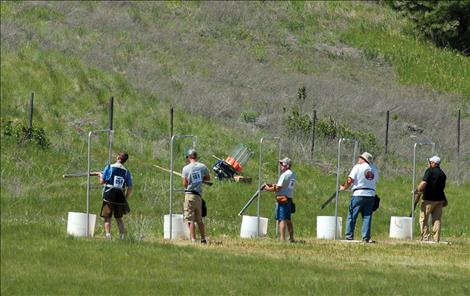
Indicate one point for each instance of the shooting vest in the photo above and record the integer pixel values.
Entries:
(115, 185)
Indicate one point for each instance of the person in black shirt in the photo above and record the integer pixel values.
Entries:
(434, 199)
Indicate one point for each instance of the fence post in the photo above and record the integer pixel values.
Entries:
(31, 103)
(458, 134)
(314, 121)
(171, 122)
(386, 131)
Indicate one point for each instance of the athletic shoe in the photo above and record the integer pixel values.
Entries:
(108, 236)
(203, 241)
(368, 241)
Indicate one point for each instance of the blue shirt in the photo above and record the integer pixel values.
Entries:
(117, 176)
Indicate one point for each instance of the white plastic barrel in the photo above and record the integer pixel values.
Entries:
(76, 224)
(326, 227)
(400, 227)
(249, 226)
(179, 230)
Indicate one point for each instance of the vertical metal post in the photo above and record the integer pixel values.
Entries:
(386, 131)
(314, 121)
(90, 134)
(338, 171)
(172, 141)
(110, 140)
(433, 145)
(260, 164)
(31, 103)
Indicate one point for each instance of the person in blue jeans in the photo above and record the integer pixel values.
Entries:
(363, 178)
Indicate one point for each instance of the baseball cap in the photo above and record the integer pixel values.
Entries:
(435, 159)
(191, 152)
(367, 157)
(286, 161)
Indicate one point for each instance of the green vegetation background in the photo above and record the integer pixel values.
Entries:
(71, 98)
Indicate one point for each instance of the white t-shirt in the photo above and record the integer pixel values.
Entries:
(365, 177)
(287, 182)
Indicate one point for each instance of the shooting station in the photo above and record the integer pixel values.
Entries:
(256, 226)
(83, 224)
(233, 164)
(173, 224)
(330, 227)
(402, 227)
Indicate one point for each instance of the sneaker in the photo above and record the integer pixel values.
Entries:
(349, 238)
(108, 236)
(368, 241)
(203, 241)
(122, 236)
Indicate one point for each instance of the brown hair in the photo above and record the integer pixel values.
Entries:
(123, 156)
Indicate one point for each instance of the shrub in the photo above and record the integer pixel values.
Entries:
(25, 135)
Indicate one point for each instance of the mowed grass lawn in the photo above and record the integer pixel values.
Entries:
(39, 259)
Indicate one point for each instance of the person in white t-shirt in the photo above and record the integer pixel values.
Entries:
(363, 178)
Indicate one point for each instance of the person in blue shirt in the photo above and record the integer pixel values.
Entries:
(118, 187)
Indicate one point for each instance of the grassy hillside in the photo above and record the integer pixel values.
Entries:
(212, 62)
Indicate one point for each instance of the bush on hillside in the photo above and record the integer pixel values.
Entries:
(446, 23)
(25, 135)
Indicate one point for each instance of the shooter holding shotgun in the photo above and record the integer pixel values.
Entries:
(284, 189)
(193, 176)
(118, 187)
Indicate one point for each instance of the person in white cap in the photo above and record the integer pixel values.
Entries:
(363, 178)
(434, 199)
(193, 175)
(284, 189)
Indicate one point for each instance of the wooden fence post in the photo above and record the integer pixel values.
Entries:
(314, 121)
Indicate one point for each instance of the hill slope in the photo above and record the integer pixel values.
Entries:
(74, 56)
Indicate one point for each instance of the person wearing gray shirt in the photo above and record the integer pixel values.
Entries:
(284, 189)
(193, 175)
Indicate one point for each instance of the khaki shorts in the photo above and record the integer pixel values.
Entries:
(192, 208)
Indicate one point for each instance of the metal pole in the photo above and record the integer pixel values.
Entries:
(110, 140)
(88, 174)
(337, 187)
(31, 102)
(88, 185)
(356, 145)
(260, 163)
(172, 141)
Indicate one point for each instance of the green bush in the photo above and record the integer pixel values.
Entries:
(25, 135)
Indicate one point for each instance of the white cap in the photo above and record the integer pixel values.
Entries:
(367, 157)
(435, 159)
(286, 161)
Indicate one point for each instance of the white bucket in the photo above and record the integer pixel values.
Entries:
(400, 227)
(76, 224)
(179, 230)
(249, 226)
(326, 227)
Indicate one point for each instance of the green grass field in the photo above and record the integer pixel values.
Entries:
(73, 76)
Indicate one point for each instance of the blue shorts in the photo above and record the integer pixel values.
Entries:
(284, 210)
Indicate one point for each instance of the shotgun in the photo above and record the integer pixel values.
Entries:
(80, 175)
(417, 199)
(251, 199)
(328, 200)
